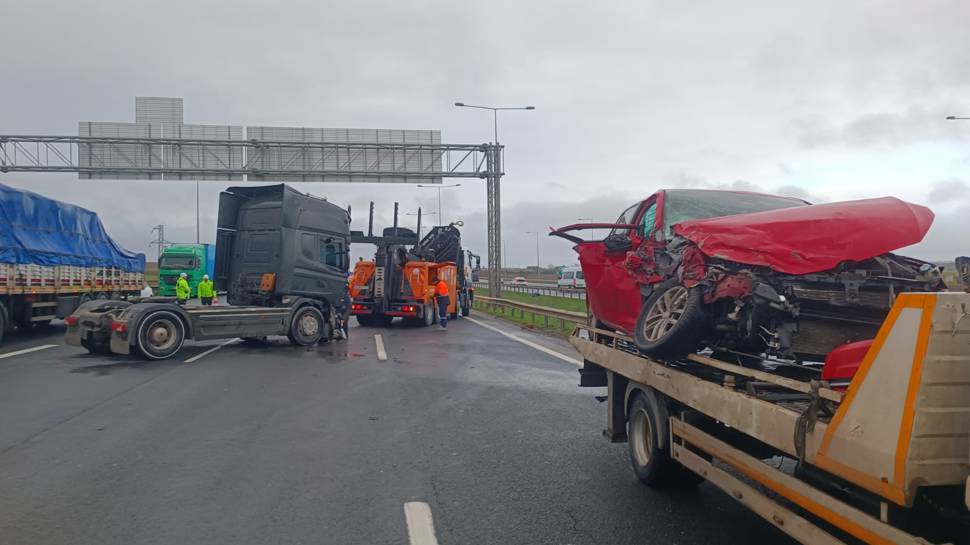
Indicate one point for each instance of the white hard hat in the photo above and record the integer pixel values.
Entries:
(205, 277)
(183, 275)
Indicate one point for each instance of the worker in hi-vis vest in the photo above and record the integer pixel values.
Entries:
(182, 290)
(441, 296)
(206, 290)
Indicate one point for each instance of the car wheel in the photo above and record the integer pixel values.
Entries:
(307, 327)
(648, 438)
(672, 321)
(160, 335)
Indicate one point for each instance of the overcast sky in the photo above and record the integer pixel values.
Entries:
(826, 100)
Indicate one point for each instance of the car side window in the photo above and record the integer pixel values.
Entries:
(627, 216)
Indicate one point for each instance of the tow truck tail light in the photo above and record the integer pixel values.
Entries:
(119, 327)
(356, 306)
(70, 321)
(408, 309)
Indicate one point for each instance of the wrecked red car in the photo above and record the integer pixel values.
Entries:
(750, 273)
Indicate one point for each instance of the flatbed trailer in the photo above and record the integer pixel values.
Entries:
(156, 329)
(886, 461)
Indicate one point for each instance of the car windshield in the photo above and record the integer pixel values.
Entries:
(176, 262)
(681, 206)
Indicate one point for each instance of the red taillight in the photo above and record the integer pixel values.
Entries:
(356, 307)
(407, 309)
(70, 321)
(119, 327)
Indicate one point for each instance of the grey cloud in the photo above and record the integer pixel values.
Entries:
(626, 92)
(947, 191)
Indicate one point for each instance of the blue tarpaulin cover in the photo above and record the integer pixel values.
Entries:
(42, 231)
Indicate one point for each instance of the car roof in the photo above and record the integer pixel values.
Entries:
(733, 191)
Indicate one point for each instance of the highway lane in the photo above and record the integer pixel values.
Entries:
(276, 444)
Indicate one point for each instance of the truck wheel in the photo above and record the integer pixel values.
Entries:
(160, 335)
(429, 315)
(466, 306)
(365, 320)
(672, 321)
(648, 437)
(385, 320)
(307, 327)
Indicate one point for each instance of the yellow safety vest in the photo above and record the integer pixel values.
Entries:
(205, 289)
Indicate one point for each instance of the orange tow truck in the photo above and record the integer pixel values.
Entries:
(399, 281)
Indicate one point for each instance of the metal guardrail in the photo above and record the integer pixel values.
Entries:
(540, 290)
(536, 311)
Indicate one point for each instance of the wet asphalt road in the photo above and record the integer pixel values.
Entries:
(277, 444)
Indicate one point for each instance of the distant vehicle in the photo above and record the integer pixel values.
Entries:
(520, 281)
(282, 257)
(55, 256)
(194, 260)
(572, 278)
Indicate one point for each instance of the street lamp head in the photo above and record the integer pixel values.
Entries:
(459, 104)
(951, 117)
(530, 107)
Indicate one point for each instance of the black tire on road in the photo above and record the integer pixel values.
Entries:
(307, 327)
(672, 322)
(648, 437)
(365, 320)
(466, 305)
(160, 335)
(429, 315)
(3, 322)
(385, 320)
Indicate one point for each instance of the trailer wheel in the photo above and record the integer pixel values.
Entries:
(648, 437)
(307, 327)
(160, 335)
(672, 321)
(429, 315)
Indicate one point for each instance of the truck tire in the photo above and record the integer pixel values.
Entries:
(648, 436)
(672, 322)
(466, 306)
(429, 315)
(160, 335)
(307, 327)
(3, 322)
(384, 320)
(365, 320)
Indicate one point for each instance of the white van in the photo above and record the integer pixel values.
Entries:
(572, 277)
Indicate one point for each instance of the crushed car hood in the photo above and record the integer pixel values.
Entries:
(810, 239)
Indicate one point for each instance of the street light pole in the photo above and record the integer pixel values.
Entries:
(494, 212)
(439, 187)
(536, 233)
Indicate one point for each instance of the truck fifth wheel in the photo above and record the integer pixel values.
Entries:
(282, 257)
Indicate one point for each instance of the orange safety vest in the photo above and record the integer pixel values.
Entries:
(441, 288)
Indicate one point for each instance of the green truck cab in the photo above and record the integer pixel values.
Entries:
(194, 260)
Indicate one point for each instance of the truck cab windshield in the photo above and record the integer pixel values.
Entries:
(177, 262)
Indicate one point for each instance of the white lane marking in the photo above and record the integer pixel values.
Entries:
(381, 353)
(537, 346)
(27, 350)
(420, 523)
(209, 351)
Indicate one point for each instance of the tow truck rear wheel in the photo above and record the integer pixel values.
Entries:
(307, 327)
(365, 320)
(648, 436)
(160, 335)
(466, 306)
(429, 315)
